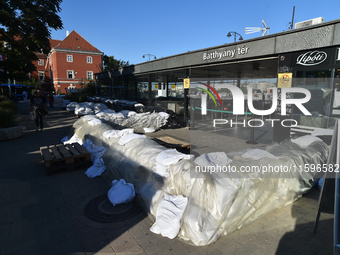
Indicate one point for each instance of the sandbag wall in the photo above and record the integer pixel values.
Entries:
(218, 203)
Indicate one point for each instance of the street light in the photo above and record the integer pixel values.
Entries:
(235, 33)
(74, 79)
(149, 55)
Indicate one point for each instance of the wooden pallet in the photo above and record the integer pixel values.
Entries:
(65, 157)
(171, 142)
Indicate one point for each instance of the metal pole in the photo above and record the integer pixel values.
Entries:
(336, 196)
(149, 91)
(252, 135)
(186, 104)
(9, 87)
(291, 25)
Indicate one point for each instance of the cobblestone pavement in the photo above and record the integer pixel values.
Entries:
(42, 214)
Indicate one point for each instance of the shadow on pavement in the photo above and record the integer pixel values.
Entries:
(302, 240)
(42, 214)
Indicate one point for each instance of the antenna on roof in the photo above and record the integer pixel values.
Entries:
(292, 23)
(250, 30)
(67, 33)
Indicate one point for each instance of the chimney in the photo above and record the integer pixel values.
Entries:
(67, 33)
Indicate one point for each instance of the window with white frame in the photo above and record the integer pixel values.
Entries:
(40, 62)
(69, 58)
(70, 74)
(41, 75)
(89, 60)
(90, 75)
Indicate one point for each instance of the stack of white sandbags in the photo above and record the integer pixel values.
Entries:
(218, 203)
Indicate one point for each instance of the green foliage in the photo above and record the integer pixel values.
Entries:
(89, 89)
(24, 30)
(73, 97)
(82, 98)
(32, 82)
(7, 110)
(110, 63)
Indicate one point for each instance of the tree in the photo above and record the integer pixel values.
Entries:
(110, 63)
(25, 30)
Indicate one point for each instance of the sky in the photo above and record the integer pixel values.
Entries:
(130, 29)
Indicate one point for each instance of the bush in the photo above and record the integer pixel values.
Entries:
(7, 110)
(73, 97)
(82, 98)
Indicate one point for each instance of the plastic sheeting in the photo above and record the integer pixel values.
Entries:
(218, 202)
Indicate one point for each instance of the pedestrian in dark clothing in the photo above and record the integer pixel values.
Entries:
(51, 100)
(38, 102)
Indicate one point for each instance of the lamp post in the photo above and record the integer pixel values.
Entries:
(75, 80)
(149, 55)
(235, 33)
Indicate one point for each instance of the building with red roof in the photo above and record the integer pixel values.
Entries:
(70, 63)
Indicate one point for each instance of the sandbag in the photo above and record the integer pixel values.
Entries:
(120, 192)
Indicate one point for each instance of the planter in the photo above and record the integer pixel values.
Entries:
(10, 133)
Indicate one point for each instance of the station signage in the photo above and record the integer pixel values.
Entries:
(226, 53)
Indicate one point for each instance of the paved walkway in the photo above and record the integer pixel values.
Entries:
(42, 214)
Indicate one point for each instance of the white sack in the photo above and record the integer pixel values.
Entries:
(73, 139)
(95, 122)
(111, 133)
(162, 170)
(88, 118)
(96, 169)
(322, 131)
(149, 130)
(117, 133)
(169, 215)
(96, 151)
(121, 192)
(306, 140)
(125, 131)
(258, 154)
(171, 156)
(129, 137)
(164, 115)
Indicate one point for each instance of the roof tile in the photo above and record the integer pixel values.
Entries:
(75, 41)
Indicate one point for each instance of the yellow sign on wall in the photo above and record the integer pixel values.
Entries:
(186, 83)
(156, 86)
(284, 80)
(173, 86)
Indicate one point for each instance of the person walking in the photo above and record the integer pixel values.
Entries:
(38, 102)
(51, 100)
(24, 95)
